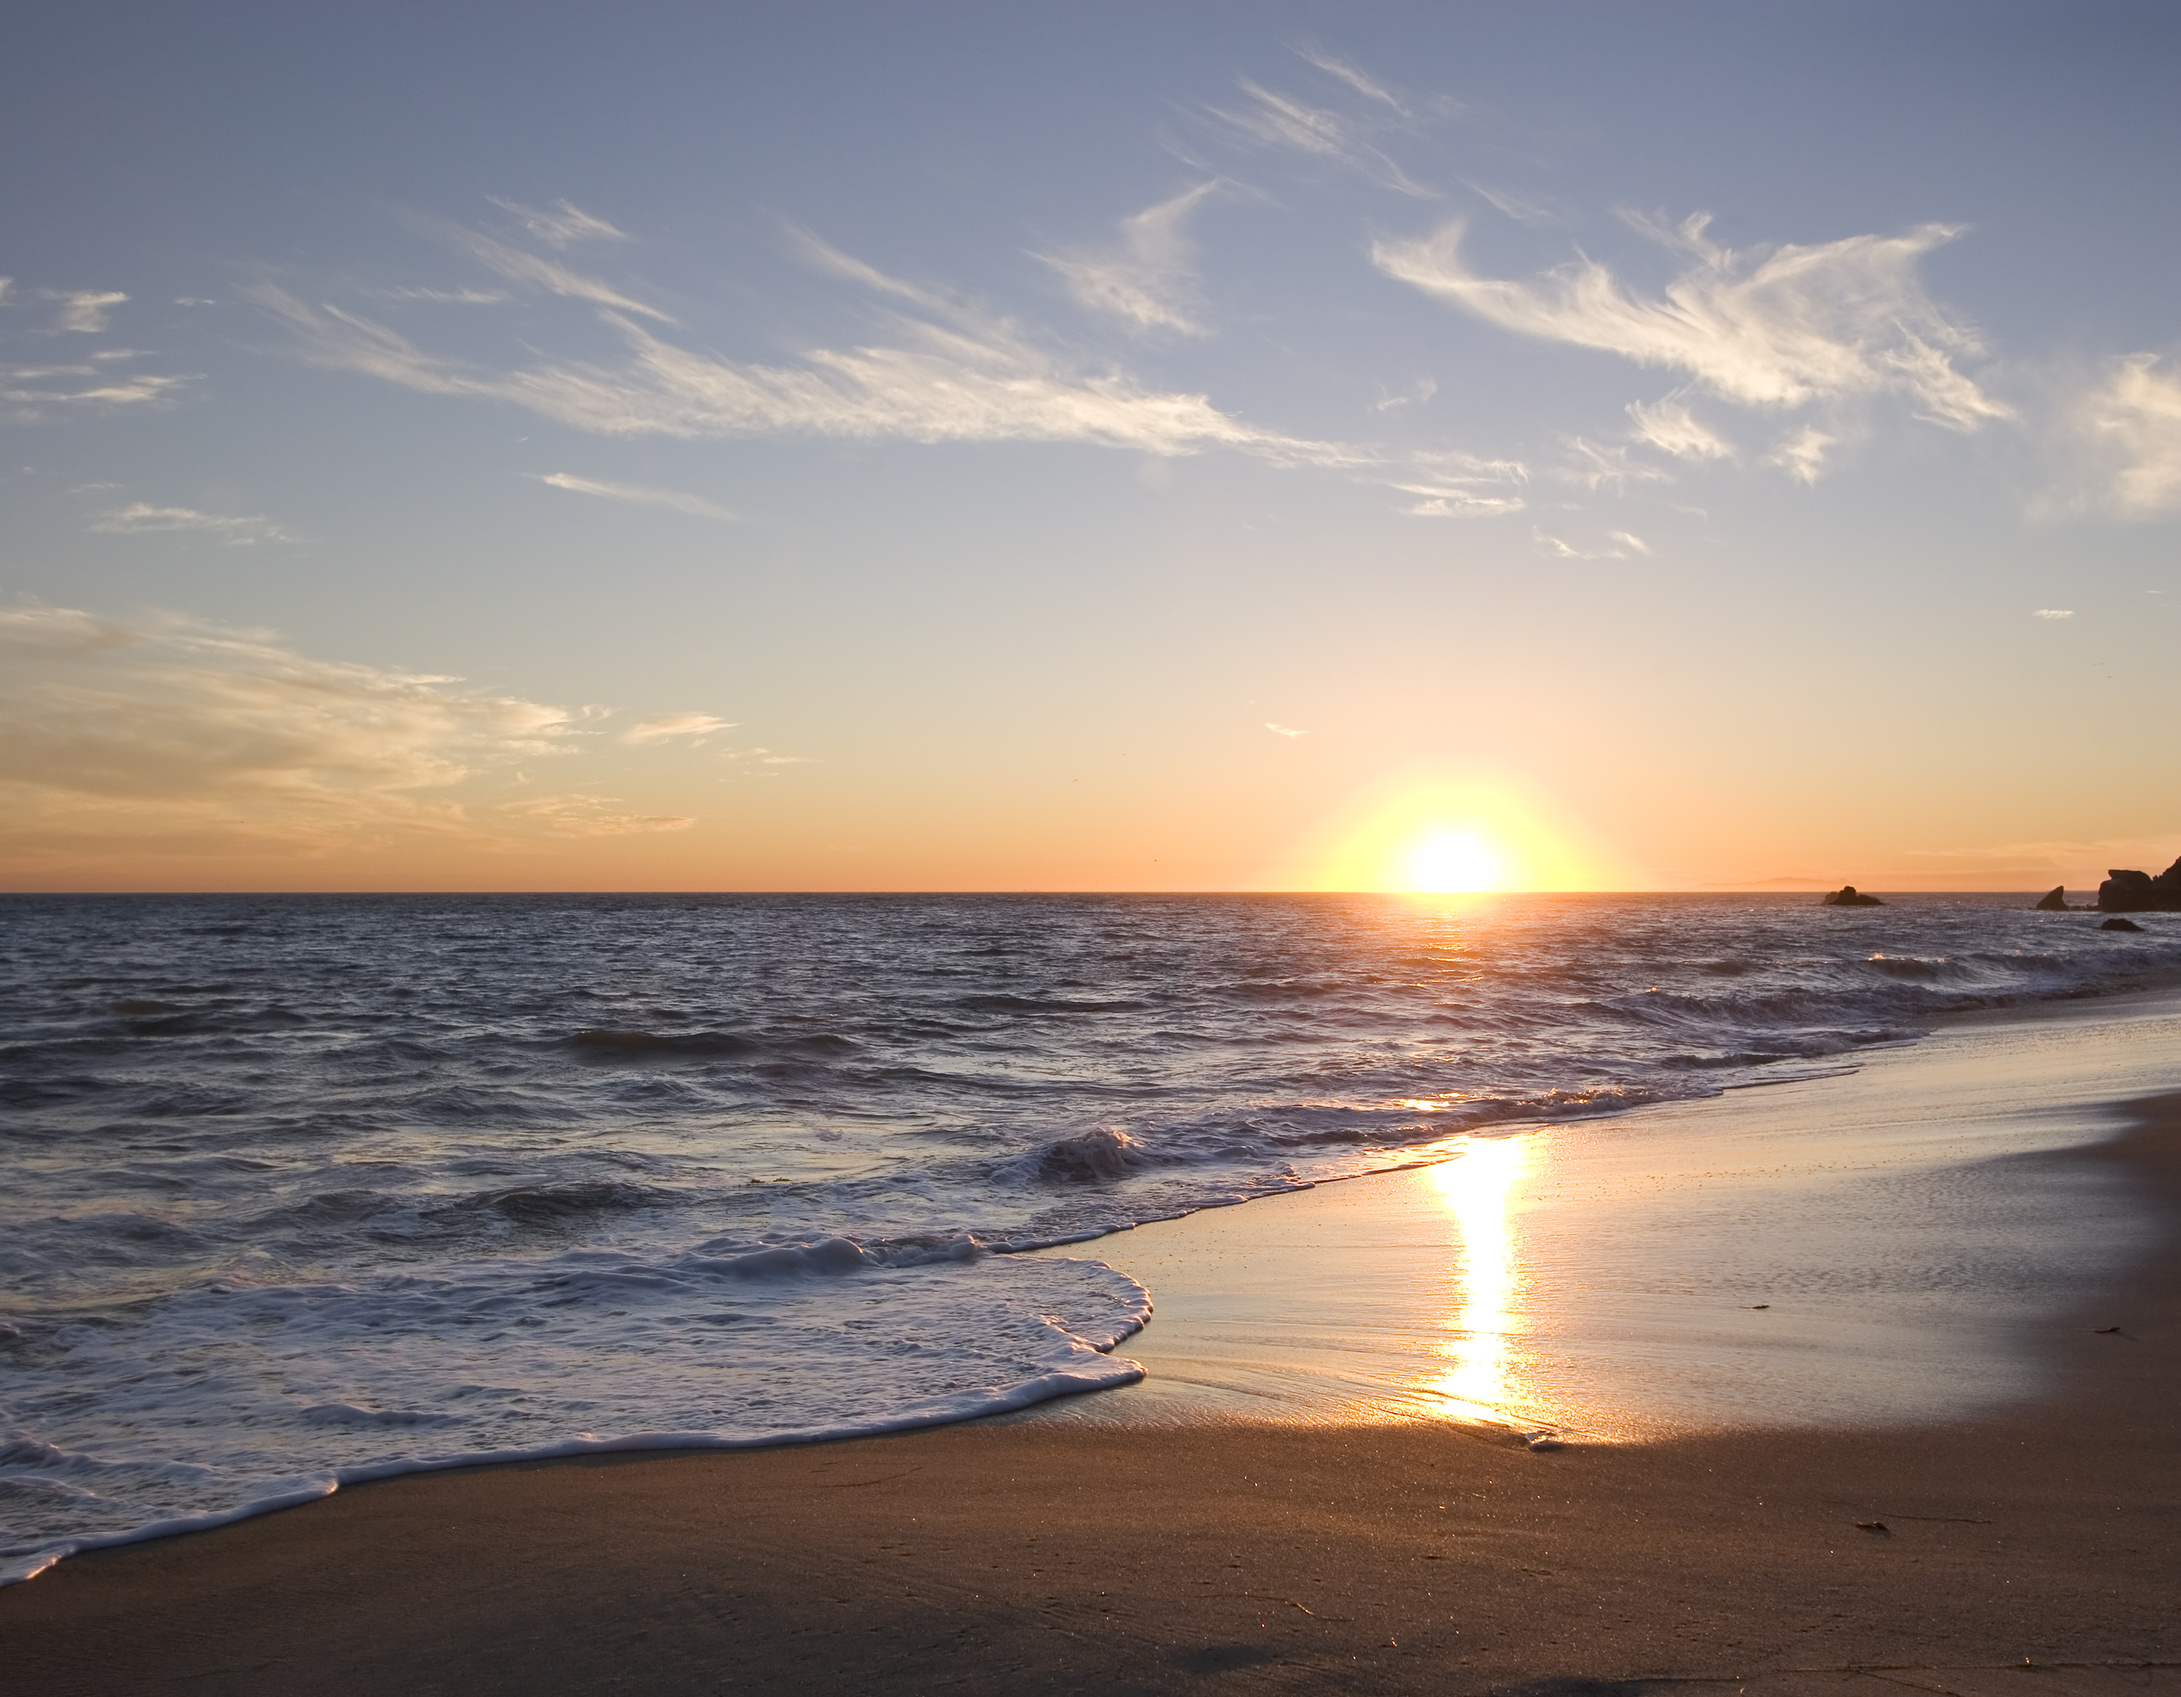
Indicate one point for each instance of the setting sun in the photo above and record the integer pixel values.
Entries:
(1454, 862)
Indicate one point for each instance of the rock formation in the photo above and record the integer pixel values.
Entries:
(2120, 925)
(2056, 902)
(2139, 892)
(1849, 896)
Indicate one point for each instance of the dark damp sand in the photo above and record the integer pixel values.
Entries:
(1075, 1556)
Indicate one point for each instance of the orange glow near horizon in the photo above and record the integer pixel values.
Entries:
(1429, 837)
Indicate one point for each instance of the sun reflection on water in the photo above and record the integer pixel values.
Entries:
(1475, 1189)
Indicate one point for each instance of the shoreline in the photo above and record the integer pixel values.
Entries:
(1092, 1556)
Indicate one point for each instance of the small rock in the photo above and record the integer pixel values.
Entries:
(2056, 902)
(2120, 925)
(1849, 896)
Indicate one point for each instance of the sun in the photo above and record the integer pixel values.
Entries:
(1454, 862)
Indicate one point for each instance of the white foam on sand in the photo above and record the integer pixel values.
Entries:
(225, 1401)
(1885, 1246)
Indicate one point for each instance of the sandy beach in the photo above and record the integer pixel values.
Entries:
(1346, 1539)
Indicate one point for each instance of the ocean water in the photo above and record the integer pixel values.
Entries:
(299, 1191)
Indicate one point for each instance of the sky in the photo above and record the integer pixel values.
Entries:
(1121, 447)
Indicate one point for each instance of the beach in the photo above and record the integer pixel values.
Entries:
(1167, 1546)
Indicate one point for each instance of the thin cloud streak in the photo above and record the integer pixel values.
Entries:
(530, 271)
(675, 725)
(1276, 120)
(236, 530)
(1146, 279)
(1769, 328)
(950, 374)
(639, 495)
(1669, 427)
(84, 311)
(561, 225)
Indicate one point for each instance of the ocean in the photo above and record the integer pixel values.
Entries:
(298, 1191)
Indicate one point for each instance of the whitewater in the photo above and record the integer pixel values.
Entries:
(301, 1191)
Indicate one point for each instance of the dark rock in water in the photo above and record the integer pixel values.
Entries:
(2139, 892)
(2120, 925)
(2056, 902)
(1849, 896)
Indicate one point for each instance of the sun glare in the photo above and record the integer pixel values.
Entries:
(1454, 862)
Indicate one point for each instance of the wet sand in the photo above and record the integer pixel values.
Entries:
(1315, 1552)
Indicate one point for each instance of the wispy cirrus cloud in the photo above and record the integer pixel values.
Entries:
(1603, 465)
(946, 372)
(445, 297)
(1623, 545)
(1458, 485)
(1145, 279)
(1672, 429)
(639, 495)
(1267, 118)
(84, 311)
(1361, 81)
(2128, 424)
(1803, 455)
(1772, 327)
(237, 530)
(579, 815)
(549, 276)
(173, 736)
(38, 391)
(560, 225)
(672, 725)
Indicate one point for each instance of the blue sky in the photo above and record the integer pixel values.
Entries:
(1097, 447)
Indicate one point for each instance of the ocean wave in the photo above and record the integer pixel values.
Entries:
(181, 1420)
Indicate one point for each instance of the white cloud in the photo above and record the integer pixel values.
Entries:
(1770, 327)
(1671, 428)
(1802, 456)
(948, 373)
(35, 390)
(1457, 484)
(1363, 84)
(1561, 548)
(641, 495)
(1518, 207)
(675, 725)
(561, 225)
(1276, 120)
(1597, 465)
(2131, 422)
(2055, 612)
(236, 530)
(529, 271)
(591, 816)
(1145, 280)
(1282, 730)
(85, 310)
(169, 735)
(446, 297)
(1416, 395)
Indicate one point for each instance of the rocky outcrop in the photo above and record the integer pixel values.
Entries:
(2056, 902)
(2139, 892)
(1849, 896)
(2120, 925)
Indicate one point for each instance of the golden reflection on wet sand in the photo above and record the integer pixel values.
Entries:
(1487, 1284)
